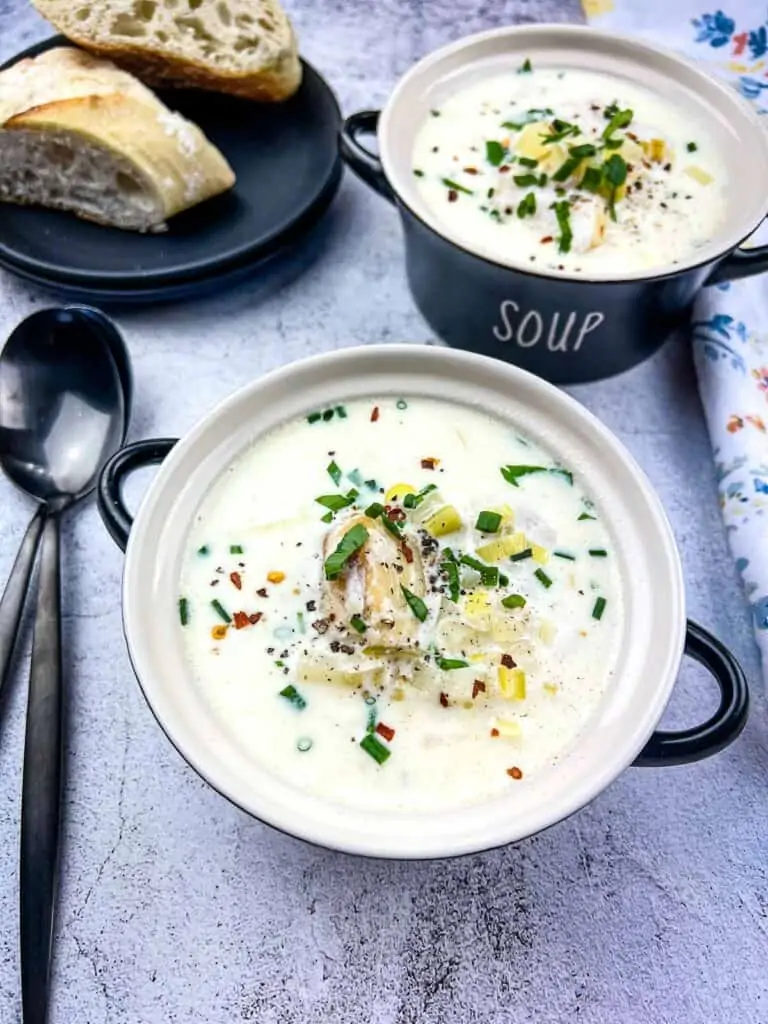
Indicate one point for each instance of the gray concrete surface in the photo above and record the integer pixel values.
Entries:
(649, 907)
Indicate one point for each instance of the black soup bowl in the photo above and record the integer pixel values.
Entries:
(564, 326)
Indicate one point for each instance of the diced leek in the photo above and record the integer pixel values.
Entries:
(503, 547)
(540, 554)
(511, 683)
(446, 520)
(548, 631)
(398, 491)
(477, 610)
(698, 174)
(656, 150)
(508, 728)
(506, 513)
(551, 689)
(529, 143)
(509, 628)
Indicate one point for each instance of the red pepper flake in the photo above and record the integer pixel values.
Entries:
(385, 731)
(241, 620)
(494, 733)
(253, 619)
(375, 414)
(453, 195)
(470, 170)
(395, 514)
(515, 772)
(236, 580)
(504, 169)
(444, 700)
(262, 591)
(545, 239)
(429, 463)
(508, 661)
(477, 687)
(407, 553)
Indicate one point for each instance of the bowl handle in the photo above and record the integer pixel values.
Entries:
(723, 727)
(365, 164)
(740, 263)
(109, 495)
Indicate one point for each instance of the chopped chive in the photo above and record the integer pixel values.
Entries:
(369, 700)
(494, 152)
(304, 744)
(449, 183)
(293, 696)
(584, 150)
(327, 518)
(300, 622)
(401, 404)
(598, 552)
(513, 473)
(221, 611)
(450, 570)
(204, 550)
(183, 611)
(341, 412)
(415, 603)
(597, 611)
(334, 472)
(585, 515)
(374, 510)
(503, 580)
(235, 549)
(327, 415)
(280, 664)
(614, 143)
(564, 554)
(357, 623)
(314, 417)
(527, 161)
(418, 173)
(525, 67)
(513, 601)
(336, 502)
(435, 113)
(391, 527)
(527, 206)
(371, 484)
(348, 546)
(377, 750)
(525, 180)
(489, 574)
(563, 214)
(488, 522)
(356, 477)
(449, 664)
(565, 170)
(542, 577)
(691, 147)
(370, 723)
(521, 555)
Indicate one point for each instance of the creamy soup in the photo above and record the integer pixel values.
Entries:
(571, 171)
(400, 604)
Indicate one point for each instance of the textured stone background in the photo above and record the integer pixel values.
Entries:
(650, 906)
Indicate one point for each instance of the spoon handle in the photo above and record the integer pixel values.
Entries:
(15, 592)
(41, 787)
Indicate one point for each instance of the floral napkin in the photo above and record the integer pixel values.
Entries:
(730, 321)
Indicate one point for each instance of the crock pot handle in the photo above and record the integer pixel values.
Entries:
(740, 263)
(363, 162)
(109, 495)
(723, 727)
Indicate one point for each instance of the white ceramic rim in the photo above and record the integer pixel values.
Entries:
(744, 139)
(653, 633)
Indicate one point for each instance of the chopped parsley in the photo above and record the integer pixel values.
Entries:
(494, 152)
(513, 601)
(563, 213)
(449, 664)
(525, 67)
(525, 180)
(415, 603)
(334, 472)
(527, 206)
(618, 119)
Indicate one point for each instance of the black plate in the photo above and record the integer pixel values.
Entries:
(287, 163)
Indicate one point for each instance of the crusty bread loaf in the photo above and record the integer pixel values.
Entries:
(79, 134)
(243, 47)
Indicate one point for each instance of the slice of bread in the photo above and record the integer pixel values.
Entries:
(243, 47)
(79, 134)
